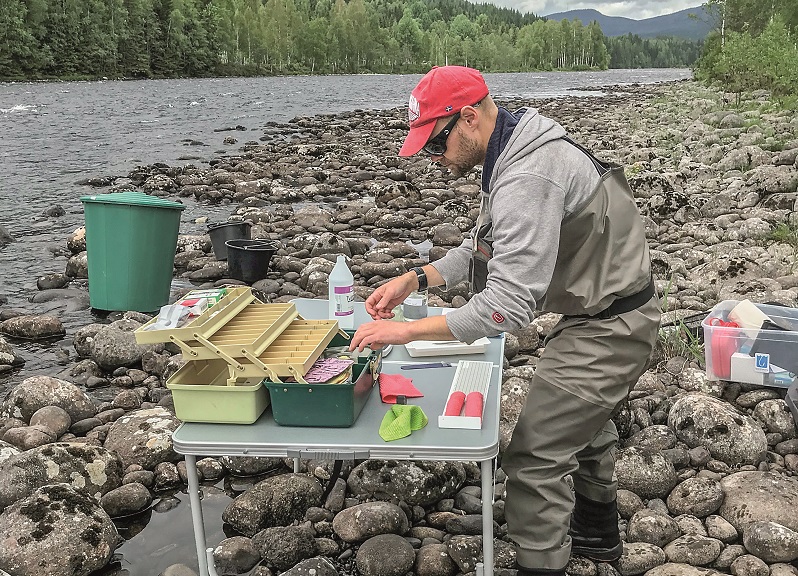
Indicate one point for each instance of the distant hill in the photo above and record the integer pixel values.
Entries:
(677, 24)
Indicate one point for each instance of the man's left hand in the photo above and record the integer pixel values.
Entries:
(380, 333)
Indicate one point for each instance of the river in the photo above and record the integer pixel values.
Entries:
(56, 134)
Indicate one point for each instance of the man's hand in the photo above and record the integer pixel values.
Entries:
(377, 334)
(384, 299)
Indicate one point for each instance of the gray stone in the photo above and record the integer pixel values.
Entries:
(39, 391)
(697, 496)
(282, 547)
(466, 551)
(250, 465)
(775, 415)
(144, 437)
(310, 567)
(434, 560)
(29, 327)
(719, 528)
(731, 437)
(89, 469)
(652, 527)
(125, 500)
(363, 521)
(693, 550)
(235, 555)
(771, 541)
(276, 501)
(645, 472)
(416, 483)
(115, 345)
(760, 496)
(749, 565)
(385, 555)
(56, 518)
(676, 569)
(53, 418)
(7, 451)
(639, 558)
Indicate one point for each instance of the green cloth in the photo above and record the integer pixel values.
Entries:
(401, 420)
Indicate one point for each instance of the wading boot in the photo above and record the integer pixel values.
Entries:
(594, 530)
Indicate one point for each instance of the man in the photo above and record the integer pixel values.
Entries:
(558, 231)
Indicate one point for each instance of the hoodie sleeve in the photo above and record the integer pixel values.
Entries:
(527, 210)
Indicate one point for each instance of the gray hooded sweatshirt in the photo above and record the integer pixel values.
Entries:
(566, 238)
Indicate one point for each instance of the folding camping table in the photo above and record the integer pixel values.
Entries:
(360, 441)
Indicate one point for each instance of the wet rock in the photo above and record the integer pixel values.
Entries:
(310, 567)
(144, 437)
(37, 392)
(385, 555)
(250, 465)
(30, 327)
(56, 518)
(776, 417)
(360, 522)
(771, 541)
(466, 551)
(5, 237)
(283, 546)
(166, 476)
(236, 555)
(434, 560)
(28, 437)
(53, 418)
(417, 483)
(125, 500)
(76, 242)
(78, 266)
(276, 501)
(759, 496)
(115, 345)
(729, 436)
(8, 357)
(645, 472)
(89, 469)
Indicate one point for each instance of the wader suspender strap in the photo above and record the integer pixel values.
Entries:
(601, 167)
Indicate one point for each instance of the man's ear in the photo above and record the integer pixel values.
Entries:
(471, 116)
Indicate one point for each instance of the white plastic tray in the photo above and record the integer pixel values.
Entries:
(422, 348)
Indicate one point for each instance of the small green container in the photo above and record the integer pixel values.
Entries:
(326, 405)
(201, 394)
(131, 239)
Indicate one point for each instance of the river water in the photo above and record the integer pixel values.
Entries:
(56, 134)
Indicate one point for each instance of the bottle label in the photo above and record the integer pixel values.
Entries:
(344, 300)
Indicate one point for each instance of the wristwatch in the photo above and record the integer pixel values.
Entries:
(422, 277)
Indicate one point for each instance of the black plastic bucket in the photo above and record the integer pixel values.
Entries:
(248, 260)
(221, 233)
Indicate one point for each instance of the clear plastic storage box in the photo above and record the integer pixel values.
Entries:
(752, 343)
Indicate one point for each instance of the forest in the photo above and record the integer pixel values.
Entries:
(755, 46)
(72, 39)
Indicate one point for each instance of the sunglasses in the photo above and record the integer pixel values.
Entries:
(437, 146)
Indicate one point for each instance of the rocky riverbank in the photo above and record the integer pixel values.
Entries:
(707, 469)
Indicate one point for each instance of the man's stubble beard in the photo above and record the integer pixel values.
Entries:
(471, 154)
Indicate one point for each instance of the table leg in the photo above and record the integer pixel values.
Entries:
(196, 513)
(487, 518)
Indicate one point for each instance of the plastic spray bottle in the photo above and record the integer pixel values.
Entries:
(341, 294)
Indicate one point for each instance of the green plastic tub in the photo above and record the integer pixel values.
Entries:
(131, 239)
(325, 405)
(201, 394)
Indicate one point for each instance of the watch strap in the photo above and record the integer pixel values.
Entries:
(422, 277)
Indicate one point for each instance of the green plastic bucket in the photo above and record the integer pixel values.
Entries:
(131, 239)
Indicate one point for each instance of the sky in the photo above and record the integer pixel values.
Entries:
(636, 9)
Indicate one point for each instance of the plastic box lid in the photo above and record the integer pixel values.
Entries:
(132, 199)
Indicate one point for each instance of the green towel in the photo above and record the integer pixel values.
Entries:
(401, 420)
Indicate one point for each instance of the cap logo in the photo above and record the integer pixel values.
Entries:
(497, 317)
(449, 108)
(413, 111)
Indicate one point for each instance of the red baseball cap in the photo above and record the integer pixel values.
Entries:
(443, 91)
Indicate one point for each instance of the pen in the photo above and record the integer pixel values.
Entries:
(425, 365)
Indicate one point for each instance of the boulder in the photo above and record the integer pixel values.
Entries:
(144, 437)
(37, 392)
(417, 483)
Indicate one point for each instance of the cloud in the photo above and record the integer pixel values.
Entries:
(636, 9)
